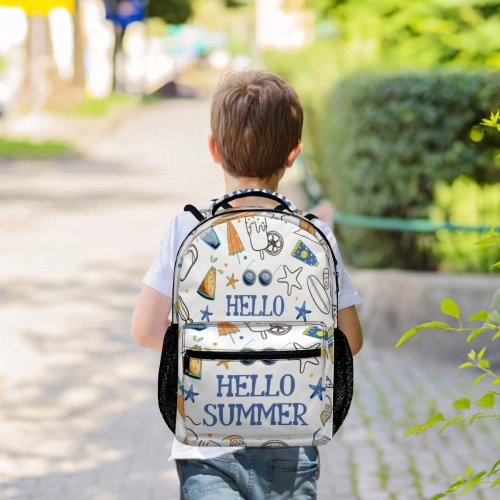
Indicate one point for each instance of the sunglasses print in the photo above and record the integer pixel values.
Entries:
(248, 362)
(250, 277)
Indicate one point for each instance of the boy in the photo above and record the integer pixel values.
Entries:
(256, 122)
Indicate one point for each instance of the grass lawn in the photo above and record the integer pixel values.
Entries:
(99, 108)
(24, 148)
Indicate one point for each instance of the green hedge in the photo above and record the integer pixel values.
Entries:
(390, 139)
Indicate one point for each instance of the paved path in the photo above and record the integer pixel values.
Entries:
(78, 411)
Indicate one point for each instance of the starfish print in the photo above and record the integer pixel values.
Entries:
(318, 389)
(231, 280)
(304, 361)
(205, 314)
(302, 311)
(224, 362)
(291, 279)
(190, 394)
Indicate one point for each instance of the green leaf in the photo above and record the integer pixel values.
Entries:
(437, 325)
(494, 317)
(494, 467)
(479, 316)
(462, 404)
(458, 418)
(472, 354)
(481, 354)
(475, 333)
(457, 485)
(484, 363)
(487, 401)
(473, 482)
(468, 472)
(496, 381)
(438, 496)
(451, 308)
(438, 417)
(475, 416)
(497, 335)
(487, 242)
(413, 430)
(479, 378)
(467, 365)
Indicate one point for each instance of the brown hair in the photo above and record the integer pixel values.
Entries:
(256, 120)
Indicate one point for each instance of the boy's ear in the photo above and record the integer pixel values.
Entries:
(213, 149)
(293, 154)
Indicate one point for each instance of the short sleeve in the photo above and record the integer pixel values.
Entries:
(160, 275)
(347, 294)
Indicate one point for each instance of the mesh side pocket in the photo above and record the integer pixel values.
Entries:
(167, 377)
(343, 380)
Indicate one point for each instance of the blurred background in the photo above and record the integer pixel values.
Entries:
(393, 91)
(104, 118)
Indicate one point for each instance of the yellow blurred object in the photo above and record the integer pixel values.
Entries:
(39, 7)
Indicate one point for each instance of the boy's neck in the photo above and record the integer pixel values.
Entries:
(236, 183)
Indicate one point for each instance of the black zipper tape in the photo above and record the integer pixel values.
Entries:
(242, 355)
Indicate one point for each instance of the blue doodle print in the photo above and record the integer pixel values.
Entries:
(190, 394)
(205, 314)
(318, 389)
(302, 311)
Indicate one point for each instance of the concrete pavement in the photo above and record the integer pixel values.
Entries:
(78, 410)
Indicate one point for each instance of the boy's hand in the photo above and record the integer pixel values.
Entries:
(151, 318)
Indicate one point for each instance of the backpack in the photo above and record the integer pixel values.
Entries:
(254, 356)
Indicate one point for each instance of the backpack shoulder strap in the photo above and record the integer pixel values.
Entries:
(195, 212)
(310, 217)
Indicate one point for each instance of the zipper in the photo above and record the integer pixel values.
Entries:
(256, 355)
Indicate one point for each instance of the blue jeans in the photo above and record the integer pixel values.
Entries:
(252, 474)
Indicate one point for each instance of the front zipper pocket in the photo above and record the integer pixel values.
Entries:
(255, 383)
(248, 356)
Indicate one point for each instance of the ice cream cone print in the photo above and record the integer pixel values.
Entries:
(303, 253)
(233, 240)
(232, 216)
(257, 231)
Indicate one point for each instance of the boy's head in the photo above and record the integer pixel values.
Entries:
(256, 121)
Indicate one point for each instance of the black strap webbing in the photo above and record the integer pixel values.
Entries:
(310, 217)
(194, 211)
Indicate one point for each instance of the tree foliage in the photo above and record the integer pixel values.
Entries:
(389, 139)
(420, 32)
(171, 11)
(488, 404)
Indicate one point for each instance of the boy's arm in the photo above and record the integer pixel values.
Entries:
(349, 324)
(151, 318)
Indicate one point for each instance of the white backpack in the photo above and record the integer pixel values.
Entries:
(254, 356)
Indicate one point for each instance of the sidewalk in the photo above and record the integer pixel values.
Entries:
(78, 409)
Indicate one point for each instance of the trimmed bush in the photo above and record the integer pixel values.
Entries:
(390, 139)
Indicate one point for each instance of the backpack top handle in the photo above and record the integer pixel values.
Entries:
(263, 193)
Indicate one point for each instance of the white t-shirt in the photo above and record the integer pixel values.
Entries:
(160, 277)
